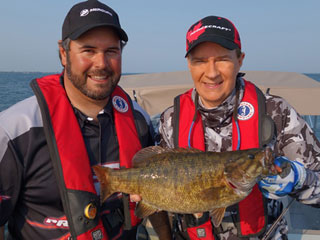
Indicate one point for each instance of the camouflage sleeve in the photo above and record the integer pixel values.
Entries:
(296, 141)
(166, 128)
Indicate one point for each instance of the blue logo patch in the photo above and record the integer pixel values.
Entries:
(245, 111)
(120, 104)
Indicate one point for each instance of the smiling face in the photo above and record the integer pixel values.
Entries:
(214, 70)
(93, 64)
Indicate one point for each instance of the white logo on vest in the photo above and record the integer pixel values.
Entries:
(97, 235)
(245, 111)
(120, 104)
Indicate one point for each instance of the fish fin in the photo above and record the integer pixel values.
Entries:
(144, 156)
(103, 175)
(144, 210)
(186, 150)
(217, 215)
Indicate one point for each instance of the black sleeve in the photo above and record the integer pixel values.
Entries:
(10, 178)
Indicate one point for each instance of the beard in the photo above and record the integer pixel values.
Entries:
(80, 81)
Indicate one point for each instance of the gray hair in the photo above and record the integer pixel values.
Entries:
(65, 44)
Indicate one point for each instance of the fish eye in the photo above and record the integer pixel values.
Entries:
(251, 156)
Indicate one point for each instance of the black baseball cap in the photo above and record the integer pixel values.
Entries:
(90, 14)
(213, 29)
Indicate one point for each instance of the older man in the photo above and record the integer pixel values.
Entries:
(224, 112)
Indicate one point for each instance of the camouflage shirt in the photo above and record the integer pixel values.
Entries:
(294, 139)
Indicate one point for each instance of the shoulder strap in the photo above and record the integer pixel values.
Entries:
(266, 124)
(188, 122)
(252, 219)
(129, 144)
(175, 120)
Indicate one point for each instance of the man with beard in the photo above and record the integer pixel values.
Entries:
(76, 119)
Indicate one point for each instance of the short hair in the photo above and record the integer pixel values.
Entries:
(65, 44)
(238, 52)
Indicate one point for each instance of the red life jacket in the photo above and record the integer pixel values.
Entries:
(69, 156)
(252, 219)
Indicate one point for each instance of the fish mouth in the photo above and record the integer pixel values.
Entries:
(240, 187)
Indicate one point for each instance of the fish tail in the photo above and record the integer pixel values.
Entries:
(103, 175)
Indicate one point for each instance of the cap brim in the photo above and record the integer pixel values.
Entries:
(226, 43)
(122, 34)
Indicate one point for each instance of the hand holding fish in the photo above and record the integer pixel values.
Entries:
(198, 215)
(135, 198)
(290, 179)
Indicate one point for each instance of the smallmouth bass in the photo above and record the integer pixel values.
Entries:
(188, 181)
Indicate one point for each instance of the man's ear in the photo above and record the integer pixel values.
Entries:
(241, 58)
(62, 54)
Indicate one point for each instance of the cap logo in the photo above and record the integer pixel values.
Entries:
(245, 111)
(195, 32)
(210, 26)
(85, 12)
(120, 104)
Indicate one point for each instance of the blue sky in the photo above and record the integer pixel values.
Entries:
(276, 35)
